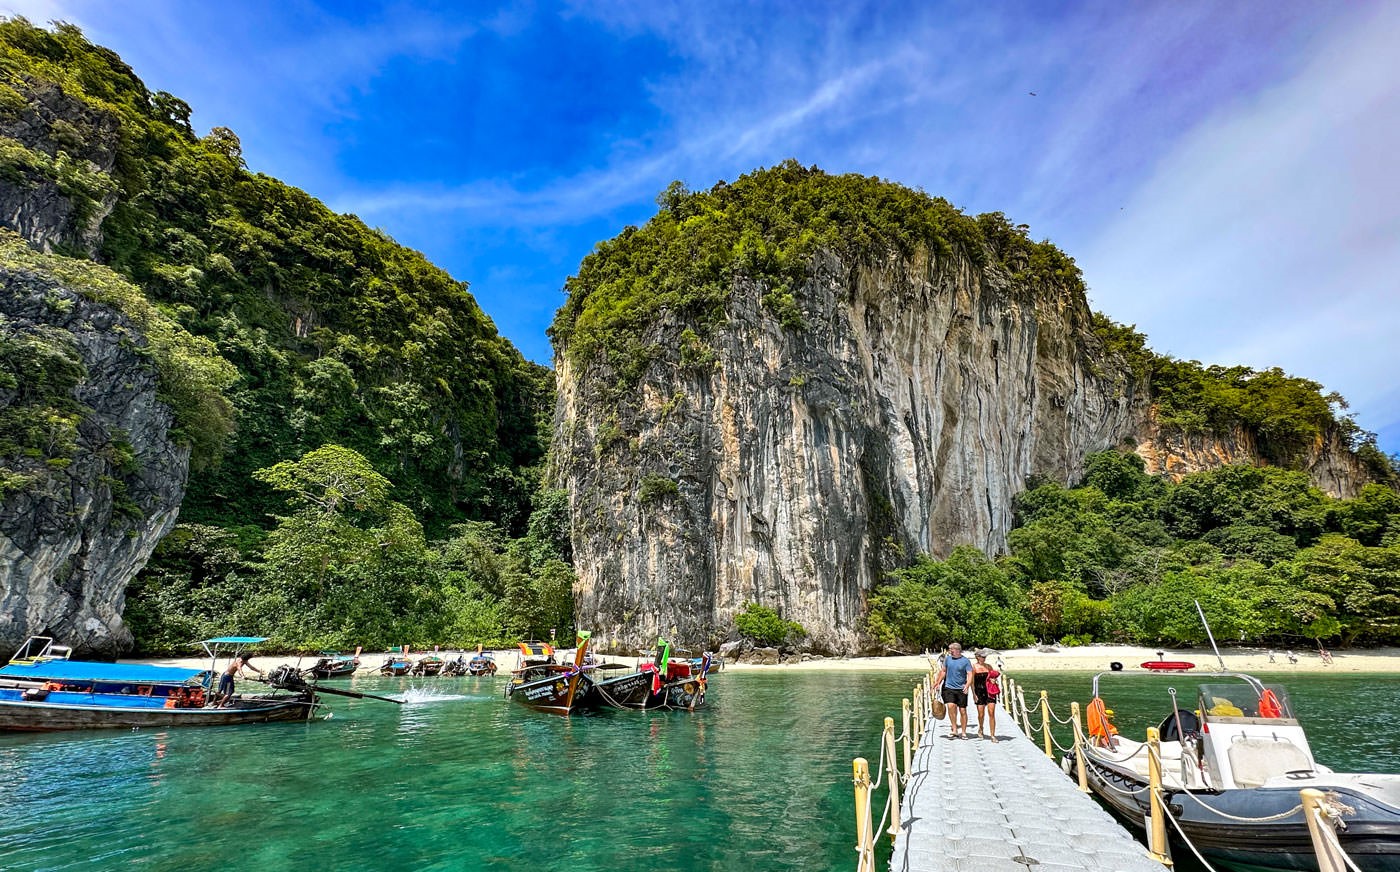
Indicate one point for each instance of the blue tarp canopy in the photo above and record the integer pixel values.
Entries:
(234, 640)
(110, 673)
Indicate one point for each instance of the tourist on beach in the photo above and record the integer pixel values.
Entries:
(226, 680)
(953, 679)
(985, 688)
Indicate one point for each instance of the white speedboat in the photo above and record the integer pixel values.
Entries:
(1232, 768)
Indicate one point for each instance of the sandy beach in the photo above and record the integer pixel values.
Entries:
(1087, 658)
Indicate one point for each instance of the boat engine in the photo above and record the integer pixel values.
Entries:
(287, 677)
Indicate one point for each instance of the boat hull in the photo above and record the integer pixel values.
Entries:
(88, 712)
(553, 693)
(1372, 839)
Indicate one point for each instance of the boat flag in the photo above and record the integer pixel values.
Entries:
(663, 659)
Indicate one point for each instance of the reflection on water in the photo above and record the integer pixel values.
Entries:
(760, 780)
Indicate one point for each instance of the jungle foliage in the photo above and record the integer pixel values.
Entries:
(764, 229)
(1122, 556)
(347, 565)
(339, 333)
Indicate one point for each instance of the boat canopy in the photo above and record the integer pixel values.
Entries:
(112, 673)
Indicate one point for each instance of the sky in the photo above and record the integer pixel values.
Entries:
(1223, 173)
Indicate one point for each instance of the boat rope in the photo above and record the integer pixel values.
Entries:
(881, 768)
(1176, 823)
(1248, 820)
(1329, 828)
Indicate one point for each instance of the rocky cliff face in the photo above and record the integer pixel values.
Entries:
(1333, 468)
(84, 507)
(56, 156)
(794, 467)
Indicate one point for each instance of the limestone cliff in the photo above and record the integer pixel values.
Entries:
(794, 466)
(85, 504)
(1172, 452)
(57, 154)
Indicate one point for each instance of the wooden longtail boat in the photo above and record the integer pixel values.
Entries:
(661, 684)
(334, 665)
(429, 665)
(41, 690)
(543, 684)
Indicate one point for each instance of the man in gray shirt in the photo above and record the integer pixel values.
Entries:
(954, 677)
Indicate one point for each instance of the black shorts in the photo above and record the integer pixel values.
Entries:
(981, 697)
(955, 697)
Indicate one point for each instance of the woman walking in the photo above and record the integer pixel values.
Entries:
(986, 686)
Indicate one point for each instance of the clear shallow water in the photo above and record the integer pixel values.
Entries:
(461, 779)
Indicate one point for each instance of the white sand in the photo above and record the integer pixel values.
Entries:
(1088, 658)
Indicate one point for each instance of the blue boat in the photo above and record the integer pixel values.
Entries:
(41, 689)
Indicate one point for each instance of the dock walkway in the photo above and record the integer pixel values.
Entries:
(981, 806)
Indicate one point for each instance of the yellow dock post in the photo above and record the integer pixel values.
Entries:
(918, 714)
(865, 841)
(1045, 724)
(1008, 689)
(892, 773)
(1329, 853)
(1157, 831)
(1021, 707)
(908, 758)
(1079, 765)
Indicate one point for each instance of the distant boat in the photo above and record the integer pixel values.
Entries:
(482, 664)
(429, 665)
(396, 664)
(335, 665)
(41, 690)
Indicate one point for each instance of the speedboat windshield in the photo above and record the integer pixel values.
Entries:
(1244, 701)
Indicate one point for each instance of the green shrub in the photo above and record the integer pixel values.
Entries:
(763, 626)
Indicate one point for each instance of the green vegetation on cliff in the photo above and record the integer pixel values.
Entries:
(1122, 556)
(339, 333)
(291, 342)
(766, 227)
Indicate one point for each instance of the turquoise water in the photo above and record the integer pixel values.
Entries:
(760, 780)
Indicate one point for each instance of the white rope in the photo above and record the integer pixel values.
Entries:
(1331, 835)
(880, 780)
(1166, 812)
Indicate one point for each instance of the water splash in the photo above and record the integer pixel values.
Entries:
(421, 695)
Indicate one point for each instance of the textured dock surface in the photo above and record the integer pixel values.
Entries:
(973, 805)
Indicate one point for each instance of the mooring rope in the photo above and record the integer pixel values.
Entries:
(1171, 817)
(1331, 830)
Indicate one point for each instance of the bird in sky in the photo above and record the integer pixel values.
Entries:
(1032, 93)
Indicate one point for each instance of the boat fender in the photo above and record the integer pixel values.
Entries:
(1116, 666)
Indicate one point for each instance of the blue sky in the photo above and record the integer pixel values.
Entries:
(1223, 172)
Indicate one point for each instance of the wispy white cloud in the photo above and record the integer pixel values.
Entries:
(1270, 235)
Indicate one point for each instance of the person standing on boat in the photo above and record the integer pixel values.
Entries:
(234, 668)
(985, 688)
(953, 677)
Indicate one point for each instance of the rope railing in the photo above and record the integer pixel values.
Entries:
(1321, 815)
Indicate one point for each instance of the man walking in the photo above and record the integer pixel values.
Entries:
(953, 677)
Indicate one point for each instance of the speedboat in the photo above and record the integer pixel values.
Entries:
(1232, 769)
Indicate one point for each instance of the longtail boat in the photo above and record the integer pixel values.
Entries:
(396, 664)
(542, 683)
(663, 683)
(334, 665)
(429, 665)
(482, 664)
(41, 689)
